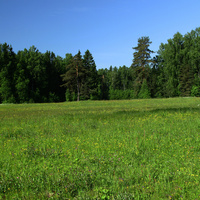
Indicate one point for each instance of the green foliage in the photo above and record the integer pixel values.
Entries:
(29, 76)
(90, 83)
(120, 94)
(74, 96)
(195, 92)
(32, 76)
(81, 76)
(186, 80)
(68, 95)
(7, 69)
(179, 64)
(143, 53)
(141, 61)
(144, 91)
(53, 97)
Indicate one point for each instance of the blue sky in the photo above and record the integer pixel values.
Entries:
(108, 28)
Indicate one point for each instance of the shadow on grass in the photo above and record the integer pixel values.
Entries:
(161, 110)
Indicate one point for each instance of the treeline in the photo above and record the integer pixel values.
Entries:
(31, 76)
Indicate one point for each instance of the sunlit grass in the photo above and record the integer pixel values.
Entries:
(138, 149)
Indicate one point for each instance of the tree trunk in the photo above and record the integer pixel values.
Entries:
(78, 89)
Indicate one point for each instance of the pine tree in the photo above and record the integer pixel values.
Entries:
(142, 56)
(141, 61)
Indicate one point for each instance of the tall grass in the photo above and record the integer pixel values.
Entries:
(137, 149)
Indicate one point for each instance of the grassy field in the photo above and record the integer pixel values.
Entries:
(137, 149)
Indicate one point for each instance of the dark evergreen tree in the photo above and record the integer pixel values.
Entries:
(74, 75)
(115, 79)
(53, 68)
(21, 76)
(90, 83)
(36, 75)
(125, 77)
(186, 80)
(103, 86)
(7, 74)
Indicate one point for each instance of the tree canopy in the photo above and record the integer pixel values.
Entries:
(31, 76)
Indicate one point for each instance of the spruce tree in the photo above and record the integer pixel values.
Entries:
(90, 82)
(7, 74)
(74, 75)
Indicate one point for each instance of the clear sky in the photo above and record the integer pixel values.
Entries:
(108, 28)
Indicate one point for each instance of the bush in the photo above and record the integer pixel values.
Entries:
(52, 98)
(195, 91)
(68, 95)
(144, 91)
(121, 94)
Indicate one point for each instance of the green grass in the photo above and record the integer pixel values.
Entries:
(137, 149)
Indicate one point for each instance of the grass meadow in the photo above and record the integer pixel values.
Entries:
(131, 149)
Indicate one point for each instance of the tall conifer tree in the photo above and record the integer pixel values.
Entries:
(90, 82)
(74, 76)
(141, 61)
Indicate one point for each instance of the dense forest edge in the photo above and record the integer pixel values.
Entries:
(30, 76)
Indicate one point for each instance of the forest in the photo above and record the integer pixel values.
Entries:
(30, 76)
